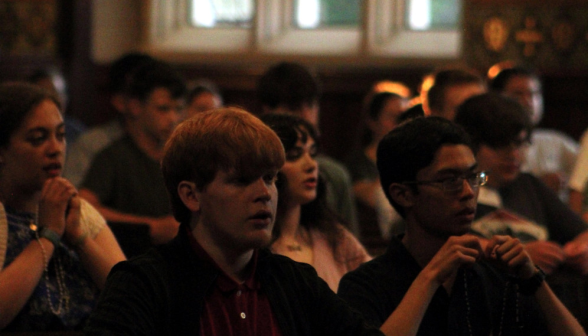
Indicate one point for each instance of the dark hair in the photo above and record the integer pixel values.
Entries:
(17, 100)
(120, 70)
(448, 78)
(499, 82)
(373, 110)
(411, 147)
(414, 112)
(315, 214)
(377, 103)
(58, 83)
(149, 76)
(493, 119)
(202, 86)
(288, 84)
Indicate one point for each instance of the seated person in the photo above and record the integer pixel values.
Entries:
(554, 235)
(577, 184)
(124, 181)
(451, 87)
(53, 80)
(436, 279)
(380, 117)
(551, 154)
(203, 96)
(291, 88)
(82, 152)
(55, 249)
(306, 230)
(215, 277)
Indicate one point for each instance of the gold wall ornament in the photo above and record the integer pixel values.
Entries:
(529, 36)
(28, 27)
(563, 35)
(496, 33)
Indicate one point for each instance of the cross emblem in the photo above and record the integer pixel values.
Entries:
(529, 36)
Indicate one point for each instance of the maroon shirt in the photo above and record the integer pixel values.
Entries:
(231, 308)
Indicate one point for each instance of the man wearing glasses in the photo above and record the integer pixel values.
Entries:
(436, 279)
(553, 234)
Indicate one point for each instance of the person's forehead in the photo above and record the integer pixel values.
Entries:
(161, 95)
(40, 114)
(250, 174)
(451, 157)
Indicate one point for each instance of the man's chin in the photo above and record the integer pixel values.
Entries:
(260, 241)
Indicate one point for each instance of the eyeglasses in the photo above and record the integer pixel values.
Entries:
(455, 183)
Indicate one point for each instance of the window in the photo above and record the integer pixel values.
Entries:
(433, 14)
(411, 28)
(352, 31)
(312, 14)
(219, 13)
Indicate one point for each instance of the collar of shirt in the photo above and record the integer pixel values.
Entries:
(224, 282)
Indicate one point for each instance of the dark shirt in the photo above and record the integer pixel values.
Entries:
(163, 292)
(361, 167)
(126, 179)
(528, 197)
(232, 308)
(482, 298)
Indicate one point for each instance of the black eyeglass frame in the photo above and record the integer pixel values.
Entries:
(455, 183)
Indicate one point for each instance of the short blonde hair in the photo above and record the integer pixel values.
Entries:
(224, 139)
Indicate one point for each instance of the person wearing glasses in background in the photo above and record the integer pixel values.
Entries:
(514, 202)
(436, 279)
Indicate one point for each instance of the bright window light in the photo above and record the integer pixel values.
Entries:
(308, 13)
(419, 15)
(203, 14)
(210, 13)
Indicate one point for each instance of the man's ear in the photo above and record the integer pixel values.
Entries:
(190, 195)
(402, 194)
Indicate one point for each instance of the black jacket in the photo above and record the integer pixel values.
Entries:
(163, 293)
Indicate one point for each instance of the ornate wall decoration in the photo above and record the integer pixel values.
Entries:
(539, 33)
(27, 27)
(496, 33)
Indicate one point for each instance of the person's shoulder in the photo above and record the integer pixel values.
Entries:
(329, 161)
(333, 168)
(105, 132)
(522, 181)
(376, 269)
(269, 259)
(551, 137)
(528, 180)
(278, 266)
(90, 219)
(153, 258)
(352, 245)
(118, 148)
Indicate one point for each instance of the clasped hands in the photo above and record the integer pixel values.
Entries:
(550, 255)
(504, 252)
(59, 209)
